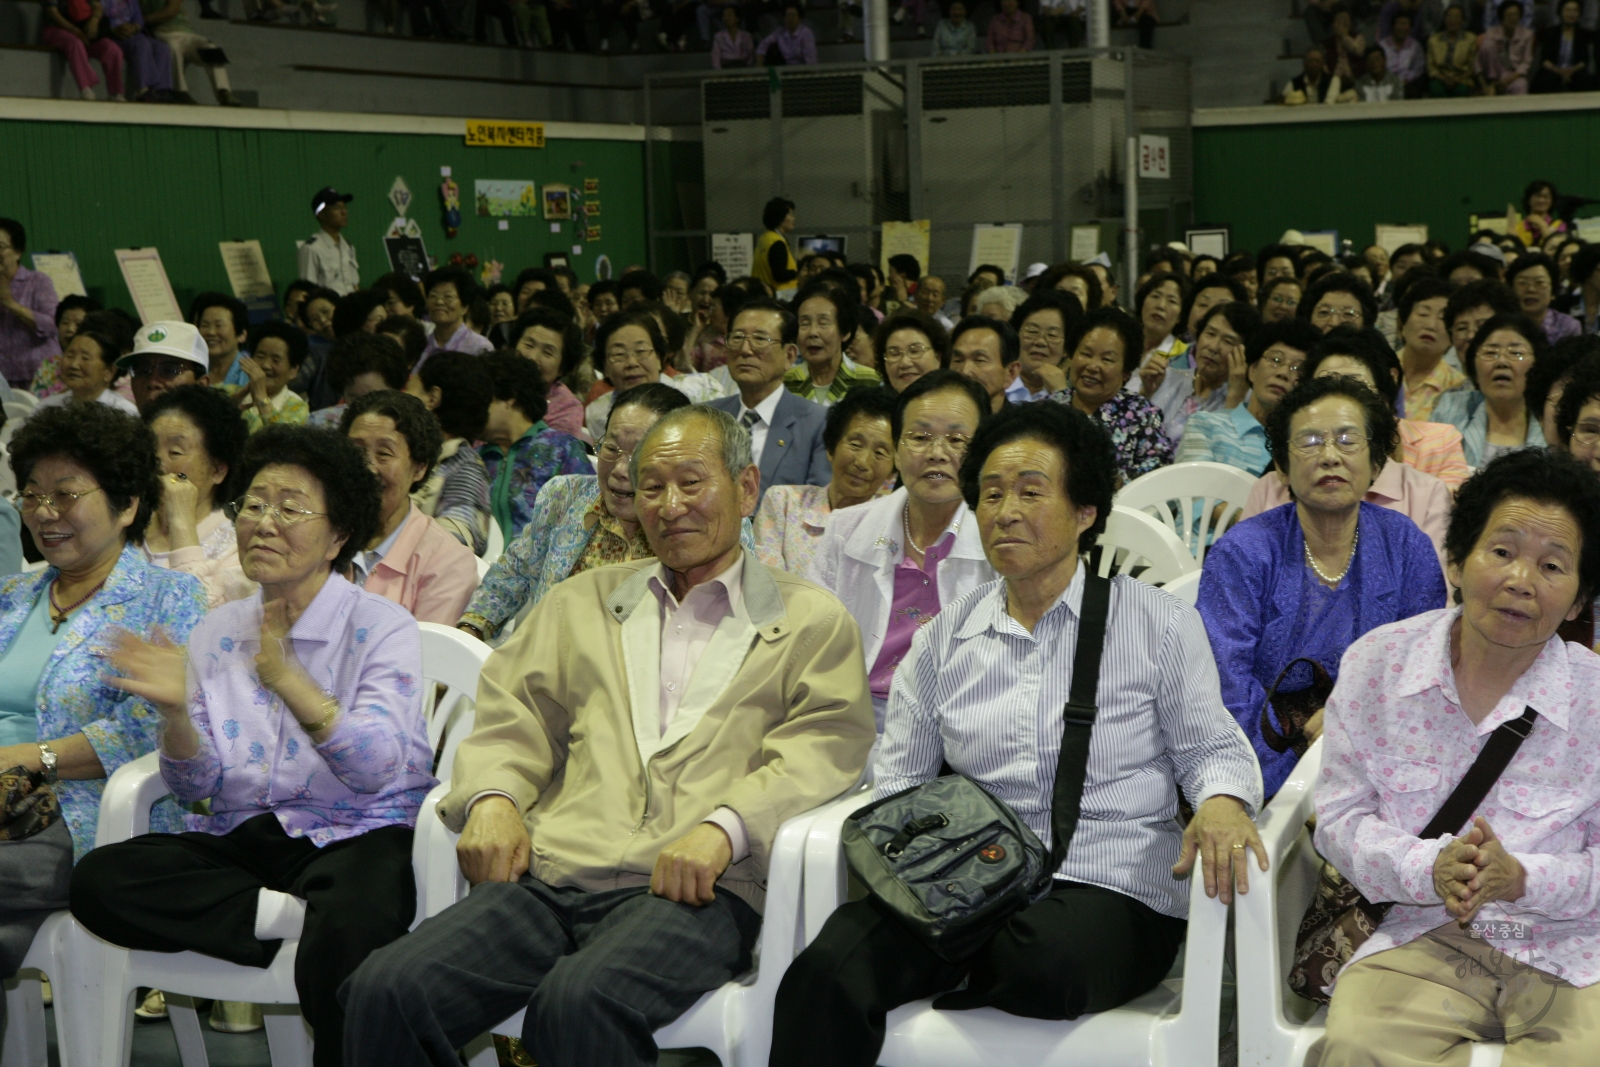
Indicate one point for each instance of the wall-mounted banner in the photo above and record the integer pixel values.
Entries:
(495, 133)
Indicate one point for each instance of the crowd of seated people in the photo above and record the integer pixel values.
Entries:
(1406, 49)
(838, 510)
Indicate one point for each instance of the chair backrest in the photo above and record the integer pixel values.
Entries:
(483, 566)
(1185, 588)
(453, 660)
(496, 545)
(1138, 545)
(1196, 501)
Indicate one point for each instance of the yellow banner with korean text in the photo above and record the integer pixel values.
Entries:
(498, 133)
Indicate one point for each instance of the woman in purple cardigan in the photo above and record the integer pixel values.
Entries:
(1305, 580)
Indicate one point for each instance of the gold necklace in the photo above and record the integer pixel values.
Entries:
(1351, 562)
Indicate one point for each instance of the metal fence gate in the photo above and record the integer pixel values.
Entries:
(1037, 138)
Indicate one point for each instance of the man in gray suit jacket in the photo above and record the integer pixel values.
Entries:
(785, 430)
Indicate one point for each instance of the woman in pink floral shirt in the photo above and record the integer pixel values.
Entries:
(1495, 932)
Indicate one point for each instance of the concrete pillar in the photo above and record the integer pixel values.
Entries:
(876, 32)
(1099, 23)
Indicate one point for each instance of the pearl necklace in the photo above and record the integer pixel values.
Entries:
(1334, 579)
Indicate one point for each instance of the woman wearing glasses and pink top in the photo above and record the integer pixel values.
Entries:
(895, 561)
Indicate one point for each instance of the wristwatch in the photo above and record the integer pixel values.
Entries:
(48, 757)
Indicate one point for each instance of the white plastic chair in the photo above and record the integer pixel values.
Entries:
(1196, 501)
(18, 409)
(735, 1021)
(483, 566)
(56, 953)
(495, 546)
(1174, 1025)
(449, 658)
(1137, 544)
(1186, 588)
(1276, 1027)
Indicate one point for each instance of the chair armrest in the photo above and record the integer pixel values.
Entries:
(125, 804)
(1281, 821)
(1195, 1028)
(433, 857)
(827, 874)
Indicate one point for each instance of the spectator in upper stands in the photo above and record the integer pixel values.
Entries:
(982, 691)
(1042, 323)
(1339, 299)
(1425, 338)
(74, 28)
(1494, 417)
(70, 313)
(793, 42)
(1237, 436)
(223, 323)
(859, 439)
(168, 22)
(1221, 375)
(555, 345)
(609, 12)
(826, 317)
(1280, 298)
(521, 451)
(786, 432)
(1159, 305)
(1567, 53)
(1103, 347)
(1505, 53)
(1010, 30)
(1140, 14)
(27, 310)
(1306, 579)
(1533, 277)
(955, 35)
(326, 257)
(1378, 84)
(456, 388)
(280, 350)
(1453, 57)
(580, 521)
(897, 560)
(987, 351)
(147, 59)
(1426, 17)
(409, 559)
(732, 46)
(359, 364)
(909, 344)
(450, 290)
(199, 441)
(1469, 308)
(89, 370)
(1064, 23)
(1345, 46)
(1314, 84)
(916, 11)
(1406, 57)
(1585, 271)
(1452, 967)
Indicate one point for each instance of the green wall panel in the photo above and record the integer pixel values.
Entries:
(1349, 176)
(90, 189)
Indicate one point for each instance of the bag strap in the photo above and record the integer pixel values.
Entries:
(1492, 760)
(1280, 742)
(1072, 766)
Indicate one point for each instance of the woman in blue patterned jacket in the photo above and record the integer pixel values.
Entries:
(89, 482)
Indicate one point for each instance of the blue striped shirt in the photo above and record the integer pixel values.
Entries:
(1231, 436)
(981, 692)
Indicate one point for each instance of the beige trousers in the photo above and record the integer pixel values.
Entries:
(185, 50)
(1424, 1003)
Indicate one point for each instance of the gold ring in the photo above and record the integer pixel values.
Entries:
(1238, 846)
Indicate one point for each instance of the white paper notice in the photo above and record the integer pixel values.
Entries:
(1085, 243)
(247, 269)
(904, 238)
(1000, 244)
(147, 283)
(62, 270)
(1390, 238)
(735, 251)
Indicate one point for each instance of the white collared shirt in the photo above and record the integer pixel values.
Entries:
(366, 561)
(768, 410)
(329, 263)
(687, 627)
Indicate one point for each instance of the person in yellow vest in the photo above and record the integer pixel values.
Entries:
(774, 260)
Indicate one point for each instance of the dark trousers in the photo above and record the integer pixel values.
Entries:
(598, 973)
(569, 22)
(608, 12)
(1080, 949)
(197, 892)
(484, 10)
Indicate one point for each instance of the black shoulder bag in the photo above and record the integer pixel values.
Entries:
(952, 860)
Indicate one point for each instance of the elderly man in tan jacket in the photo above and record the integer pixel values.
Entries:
(638, 742)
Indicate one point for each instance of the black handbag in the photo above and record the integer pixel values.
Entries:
(950, 859)
(1294, 710)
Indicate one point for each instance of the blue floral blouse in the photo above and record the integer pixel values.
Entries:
(1135, 426)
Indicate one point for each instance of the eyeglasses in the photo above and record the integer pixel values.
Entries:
(1526, 284)
(919, 442)
(895, 355)
(759, 342)
(612, 454)
(1513, 354)
(1055, 335)
(1312, 442)
(639, 354)
(1586, 433)
(443, 296)
(249, 511)
(1345, 316)
(1279, 363)
(1284, 301)
(165, 369)
(60, 503)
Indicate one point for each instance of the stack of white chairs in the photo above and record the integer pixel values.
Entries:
(1196, 501)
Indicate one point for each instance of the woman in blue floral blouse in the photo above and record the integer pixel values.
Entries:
(90, 482)
(1105, 346)
(522, 451)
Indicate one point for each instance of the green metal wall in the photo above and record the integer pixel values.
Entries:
(1350, 175)
(90, 189)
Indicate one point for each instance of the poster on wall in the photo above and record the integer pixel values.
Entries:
(500, 199)
(591, 185)
(557, 201)
(246, 266)
(1085, 243)
(407, 255)
(904, 239)
(1390, 238)
(147, 284)
(62, 270)
(1208, 241)
(734, 251)
(999, 244)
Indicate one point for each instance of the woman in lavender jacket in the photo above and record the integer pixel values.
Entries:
(298, 714)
